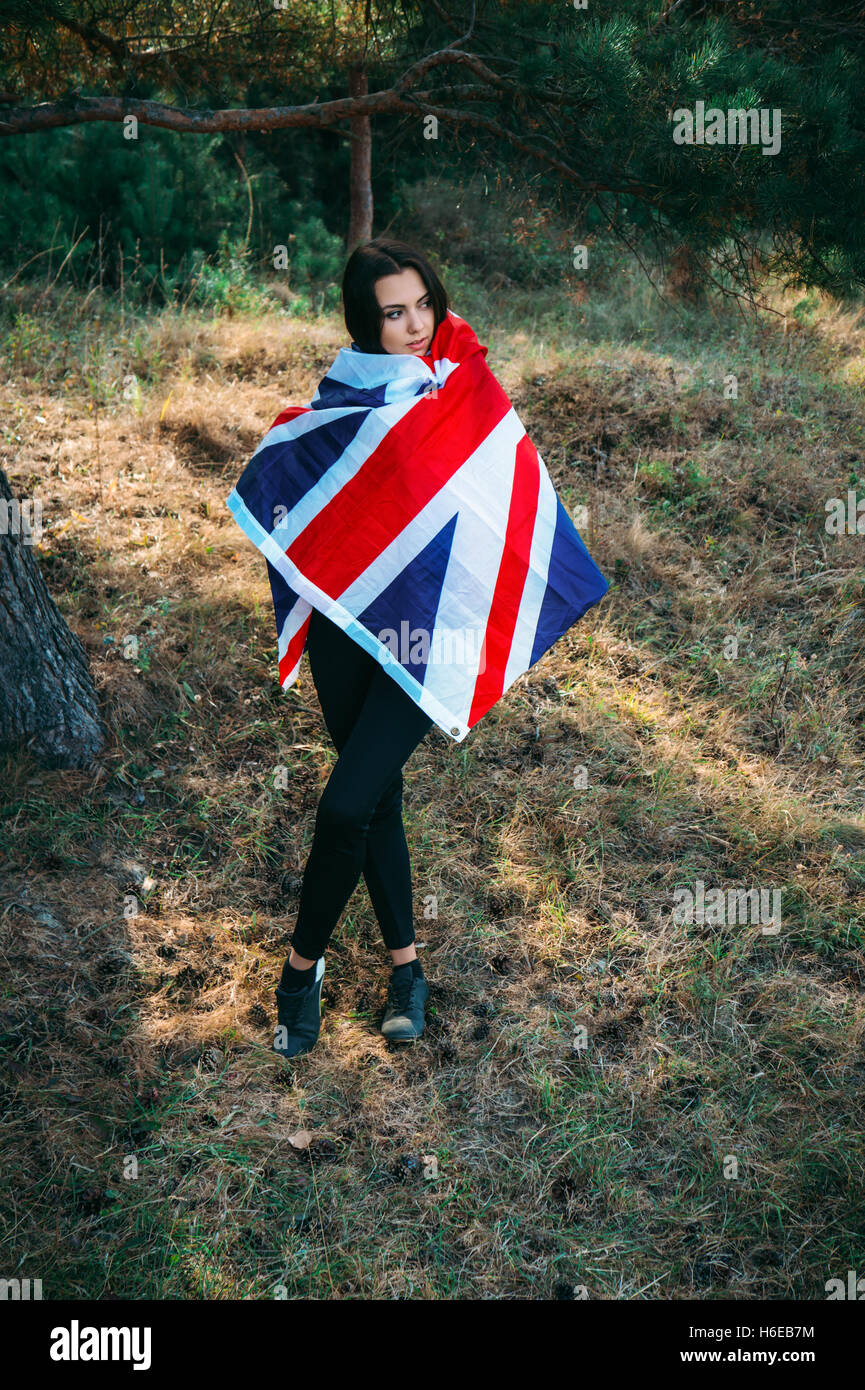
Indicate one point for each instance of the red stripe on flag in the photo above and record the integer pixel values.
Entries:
(290, 413)
(438, 434)
(294, 650)
(510, 581)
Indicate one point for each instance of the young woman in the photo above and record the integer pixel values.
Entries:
(393, 303)
(393, 505)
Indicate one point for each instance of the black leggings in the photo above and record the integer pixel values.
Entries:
(374, 725)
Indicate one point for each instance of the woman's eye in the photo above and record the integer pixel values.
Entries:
(395, 313)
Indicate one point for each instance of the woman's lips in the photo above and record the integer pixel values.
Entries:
(420, 342)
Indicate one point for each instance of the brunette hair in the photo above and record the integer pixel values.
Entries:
(368, 263)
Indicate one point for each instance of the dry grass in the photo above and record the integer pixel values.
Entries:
(494, 1159)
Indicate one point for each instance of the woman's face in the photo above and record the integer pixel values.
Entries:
(409, 316)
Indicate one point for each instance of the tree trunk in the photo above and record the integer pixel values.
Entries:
(360, 179)
(47, 701)
(685, 279)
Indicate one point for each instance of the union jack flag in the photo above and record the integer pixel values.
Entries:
(408, 504)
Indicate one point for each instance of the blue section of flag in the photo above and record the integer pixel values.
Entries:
(333, 392)
(574, 583)
(284, 598)
(416, 590)
(267, 484)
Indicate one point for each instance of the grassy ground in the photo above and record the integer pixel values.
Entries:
(706, 1142)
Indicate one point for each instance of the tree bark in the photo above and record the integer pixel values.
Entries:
(48, 704)
(685, 281)
(360, 179)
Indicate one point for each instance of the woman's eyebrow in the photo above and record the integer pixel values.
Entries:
(402, 306)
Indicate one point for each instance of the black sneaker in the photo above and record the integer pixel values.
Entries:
(298, 1013)
(404, 1015)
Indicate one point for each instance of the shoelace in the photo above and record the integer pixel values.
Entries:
(291, 1003)
(399, 992)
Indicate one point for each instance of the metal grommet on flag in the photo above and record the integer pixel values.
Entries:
(455, 730)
